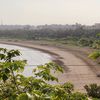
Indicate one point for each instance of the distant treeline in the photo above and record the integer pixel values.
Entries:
(51, 33)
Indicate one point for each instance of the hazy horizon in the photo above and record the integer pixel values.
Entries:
(41, 12)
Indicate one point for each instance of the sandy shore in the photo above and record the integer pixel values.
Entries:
(77, 70)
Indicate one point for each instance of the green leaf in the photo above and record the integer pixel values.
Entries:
(23, 96)
(5, 77)
(7, 70)
(2, 56)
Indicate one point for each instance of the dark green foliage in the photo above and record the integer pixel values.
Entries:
(44, 71)
(96, 44)
(78, 96)
(68, 87)
(93, 90)
(49, 31)
(85, 42)
(15, 86)
(95, 56)
(23, 96)
(95, 99)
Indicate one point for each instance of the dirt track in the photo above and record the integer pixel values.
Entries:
(77, 70)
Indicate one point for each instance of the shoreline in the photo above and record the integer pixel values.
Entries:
(55, 57)
(78, 74)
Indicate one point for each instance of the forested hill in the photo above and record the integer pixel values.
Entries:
(49, 31)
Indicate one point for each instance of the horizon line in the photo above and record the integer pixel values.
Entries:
(49, 24)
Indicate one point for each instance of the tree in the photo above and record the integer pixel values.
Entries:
(93, 90)
(96, 54)
(85, 42)
(15, 86)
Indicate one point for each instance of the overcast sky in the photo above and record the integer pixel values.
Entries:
(37, 12)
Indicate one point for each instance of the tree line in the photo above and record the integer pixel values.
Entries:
(50, 33)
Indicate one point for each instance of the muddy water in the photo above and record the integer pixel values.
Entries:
(33, 57)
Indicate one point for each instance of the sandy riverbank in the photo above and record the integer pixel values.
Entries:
(77, 70)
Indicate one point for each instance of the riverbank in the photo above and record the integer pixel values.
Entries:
(78, 69)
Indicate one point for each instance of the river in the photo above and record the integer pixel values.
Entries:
(34, 57)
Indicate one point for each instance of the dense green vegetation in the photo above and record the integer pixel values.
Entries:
(93, 90)
(79, 36)
(96, 54)
(15, 86)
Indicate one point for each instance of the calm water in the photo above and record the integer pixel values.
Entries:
(33, 57)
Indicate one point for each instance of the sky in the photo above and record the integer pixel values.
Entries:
(40, 12)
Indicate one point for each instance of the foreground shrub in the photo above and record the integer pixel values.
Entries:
(95, 56)
(15, 86)
(78, 96)
(85, 42)
(95, 99)
(93, 90)
(96, 44)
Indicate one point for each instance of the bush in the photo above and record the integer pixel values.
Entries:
(93, 90)
(95, 56)
(96, 44)
(95, 99)
(85, 42)
(78, 96)
(18, 87)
